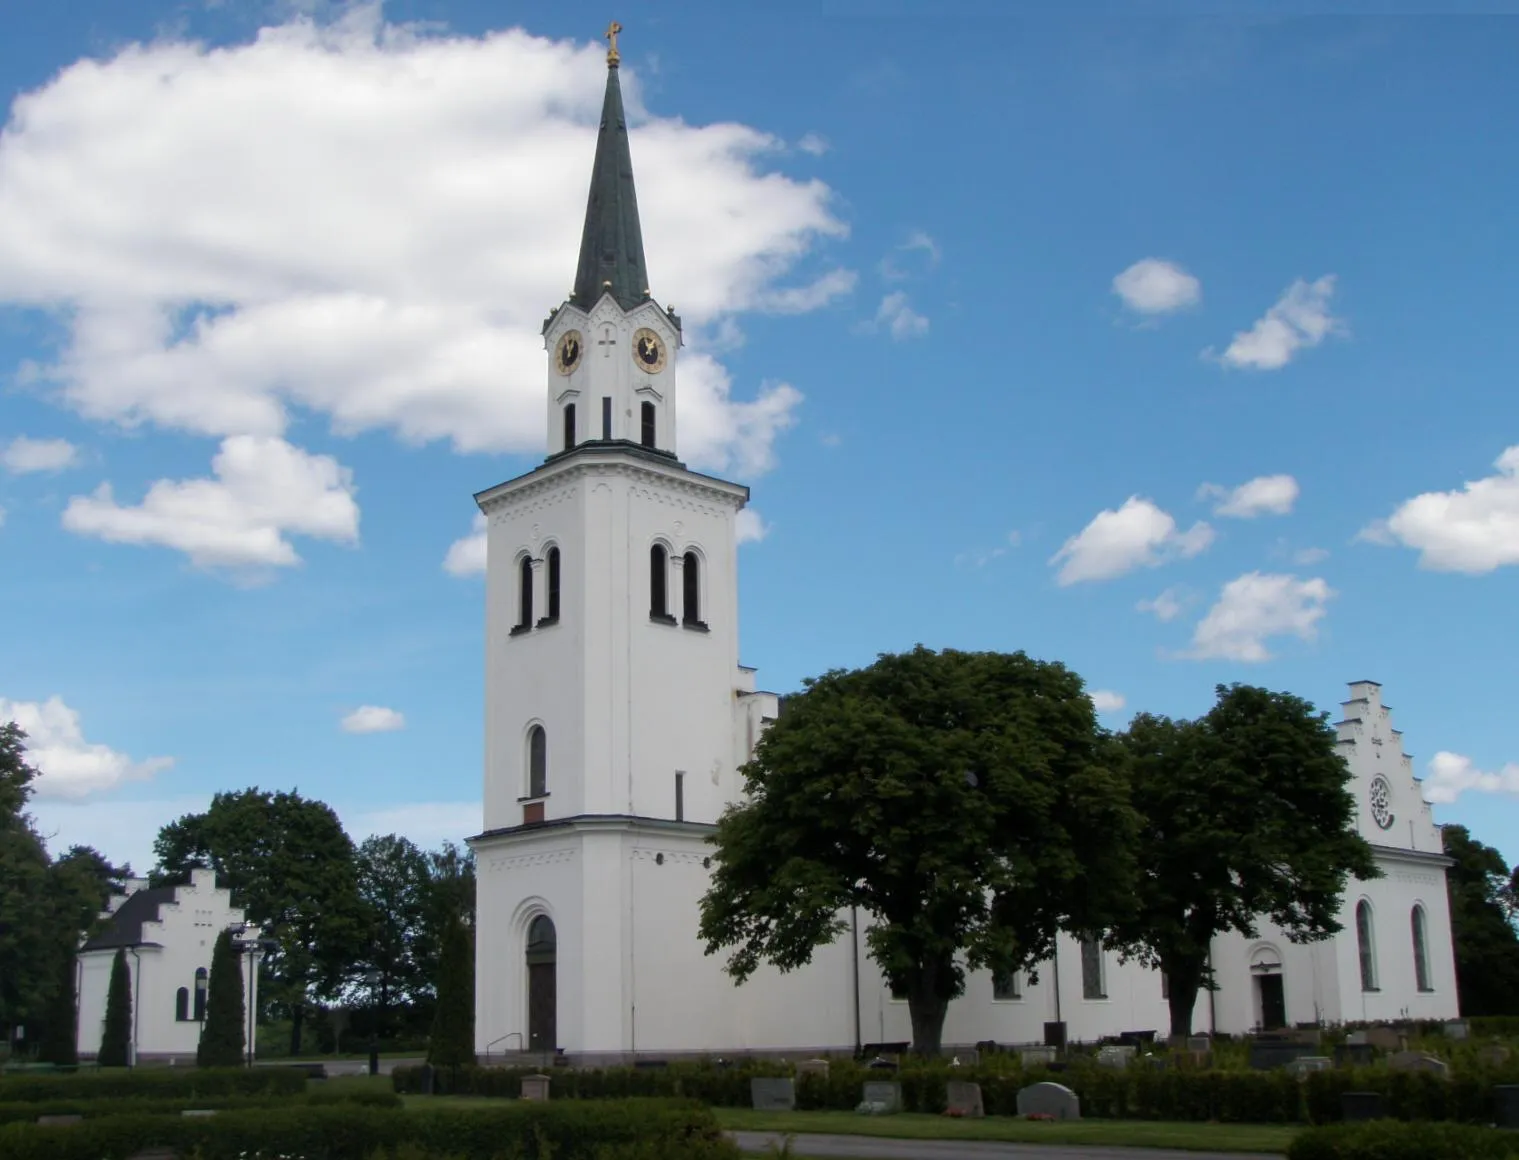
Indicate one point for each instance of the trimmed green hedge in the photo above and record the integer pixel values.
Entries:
(1138, 1093)
(1391, 1140)
(153, 1083)
(627, 1130)
(27, 1113)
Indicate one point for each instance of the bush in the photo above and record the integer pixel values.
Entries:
(532, 1131)
(27, 1113)
(1390, 1140)
(116, 1039)
(160, 1083)
(222, 1037)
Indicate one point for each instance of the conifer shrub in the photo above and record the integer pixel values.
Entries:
(452, 1043)
(116, 1039)
(222, 1038)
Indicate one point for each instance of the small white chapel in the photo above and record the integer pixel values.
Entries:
(618, 715)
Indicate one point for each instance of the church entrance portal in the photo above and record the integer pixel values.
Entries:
(1273, 1002)
(541, 1002)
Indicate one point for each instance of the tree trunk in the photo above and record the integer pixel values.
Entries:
(1184, 976)
(296, 1011)
(927, 1004)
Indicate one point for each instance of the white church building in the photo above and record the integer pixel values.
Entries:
(167, 934)
(618, 716)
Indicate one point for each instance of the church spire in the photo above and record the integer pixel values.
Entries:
(611, 245)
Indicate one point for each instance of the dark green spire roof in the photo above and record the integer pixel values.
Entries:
(611, 246)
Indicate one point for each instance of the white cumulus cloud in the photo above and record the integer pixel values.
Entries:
(466, 555)
(1107, 701)
(68, 765)
(1299, 318)
(264, 490)
(1254, 607)
(22, 455)
(1155, 286)
(1264, 495)
(1137, 535)
(373, 719)
(1451, 775)
(813, 144)
(899, 319)
(750, 527)
(369, 221)
(1473, 530)
(1167, 606)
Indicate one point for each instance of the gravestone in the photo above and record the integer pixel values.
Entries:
(1303, 1064)
(881, 1099)
(1493, 1055)
(1036, 1056)
(196, 1112)
(773, 1095)
(817, 1067)
(963, 1099)
(1457, 1029)
(535, 1087)
(1384, 1039)
(60, 1119)
(1054, 1035)
(1186, 1060)
(1416, 1061)
(1115, 1057)
(1267, 1053)
(1356, 1107)
(1049, 1099)
(1357, 1039)
(427, 1079)
(1506, 1105)
(1199, 1043)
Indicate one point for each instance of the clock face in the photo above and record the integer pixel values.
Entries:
(1381, 803)
(648, 351)
(567, 354)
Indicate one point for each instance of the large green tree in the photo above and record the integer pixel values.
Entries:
(1246, 815)
(395, 890)
(967, 803)
(291, 867)
(222, 1038)
(1481, 888)
(116, 1037)
(60, 1032)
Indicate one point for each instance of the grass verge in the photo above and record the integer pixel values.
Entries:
(1272, 1138)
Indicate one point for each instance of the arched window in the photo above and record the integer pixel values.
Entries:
(525, 593)
(553, 586)
(691, 589)
(1421, 950)
(569, 425)
(646, 427)
(1364, 944)
(1093, 985)
(537, 762)
(202, 980)
(182, 1004)
(659, 572)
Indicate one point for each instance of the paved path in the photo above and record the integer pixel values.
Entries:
(884, 1148)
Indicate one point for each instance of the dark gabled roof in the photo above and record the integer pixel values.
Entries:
(124, 928)
(611, 245)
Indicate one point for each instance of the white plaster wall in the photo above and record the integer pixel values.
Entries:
(94, 980)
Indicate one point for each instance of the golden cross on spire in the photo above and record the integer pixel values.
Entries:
(611, 36)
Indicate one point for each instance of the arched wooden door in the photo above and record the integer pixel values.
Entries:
(541, 1000)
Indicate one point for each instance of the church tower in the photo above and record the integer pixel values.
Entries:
(616, 713)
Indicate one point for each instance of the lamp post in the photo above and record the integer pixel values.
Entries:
(372, 978)
(246, 941)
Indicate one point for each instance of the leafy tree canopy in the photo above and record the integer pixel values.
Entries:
(1246, 814)
(291, 867)
(966, 802)
(1481, 888)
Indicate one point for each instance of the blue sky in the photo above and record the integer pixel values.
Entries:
(998, 317)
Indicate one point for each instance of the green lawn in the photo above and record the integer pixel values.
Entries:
(1136, 1133)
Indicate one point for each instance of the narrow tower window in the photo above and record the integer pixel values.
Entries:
(537, 762)
(182, 1005)
(1364, 944)
(569, 425)
(691, 589)
(1421, 951)
(680, 796)
(202, 981)
(553, 587)
(525, 594)
(647, 433)
(659, 570)
(606, 416)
